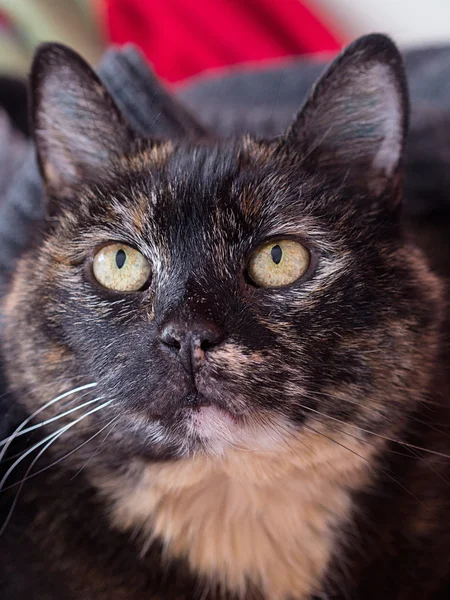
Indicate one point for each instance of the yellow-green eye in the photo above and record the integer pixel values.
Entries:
(120, 267)
(278, 263)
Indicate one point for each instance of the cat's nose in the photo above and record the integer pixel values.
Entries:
(191, 342)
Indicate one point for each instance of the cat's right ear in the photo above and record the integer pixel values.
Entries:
(78, 129)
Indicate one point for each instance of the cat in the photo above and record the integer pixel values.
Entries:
(226, 360)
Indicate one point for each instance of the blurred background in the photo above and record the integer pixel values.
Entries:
(182, 38)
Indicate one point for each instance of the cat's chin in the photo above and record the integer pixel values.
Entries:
(213, 429)
(206, 429)
(202, 422)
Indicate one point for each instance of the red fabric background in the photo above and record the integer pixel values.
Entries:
(184, 37)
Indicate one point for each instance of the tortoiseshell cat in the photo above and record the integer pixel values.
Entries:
(231, 362)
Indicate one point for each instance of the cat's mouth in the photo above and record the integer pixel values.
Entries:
(209, 423)
(197, 401)
(207, 419)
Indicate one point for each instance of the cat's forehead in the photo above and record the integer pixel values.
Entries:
(189, 173)
(234, 183)
(233, 194)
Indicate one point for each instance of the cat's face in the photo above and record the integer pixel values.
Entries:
(205, 351)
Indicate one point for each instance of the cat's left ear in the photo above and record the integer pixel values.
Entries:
(354, 123)
(79, 131)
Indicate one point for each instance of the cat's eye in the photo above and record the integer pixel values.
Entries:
(121, 268)
(278, 263)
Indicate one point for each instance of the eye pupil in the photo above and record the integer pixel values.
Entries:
(121, 257)
(276, 254)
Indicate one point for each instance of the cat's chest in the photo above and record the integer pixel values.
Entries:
(246, 521)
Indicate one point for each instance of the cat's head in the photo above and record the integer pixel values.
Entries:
(229, 293)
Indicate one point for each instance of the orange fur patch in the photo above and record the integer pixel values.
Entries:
(265, 518)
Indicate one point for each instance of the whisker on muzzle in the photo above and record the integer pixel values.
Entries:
(7, 442)
(48, 441)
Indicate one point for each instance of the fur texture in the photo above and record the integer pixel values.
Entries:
(261, 519)
(262, 474)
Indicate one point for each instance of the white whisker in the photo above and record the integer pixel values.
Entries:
(60, 416)
(97, 450)
(378, 435)
(46, 439)
(75, 450)
(39, 410)
(54, 438)
(386, 472)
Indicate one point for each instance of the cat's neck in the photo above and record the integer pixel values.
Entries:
(247, 519)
